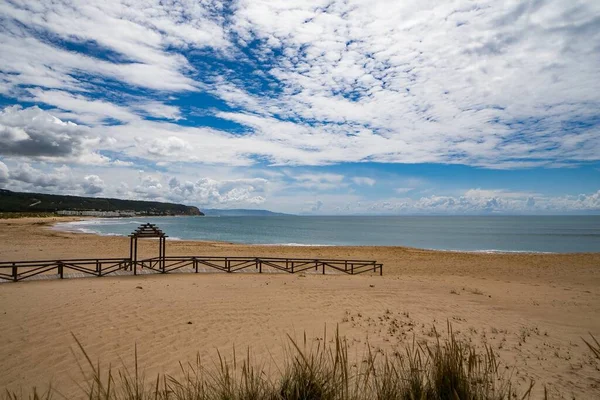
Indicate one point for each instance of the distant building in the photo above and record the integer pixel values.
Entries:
(94, 213)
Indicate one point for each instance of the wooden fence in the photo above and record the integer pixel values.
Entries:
(234, 264)
(19, 270)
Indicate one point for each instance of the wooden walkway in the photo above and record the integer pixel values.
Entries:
(15, 271)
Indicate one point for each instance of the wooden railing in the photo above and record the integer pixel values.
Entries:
(19, 270)
(234, 264)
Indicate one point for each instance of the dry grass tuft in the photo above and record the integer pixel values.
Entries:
(446, 369)
(594, 347)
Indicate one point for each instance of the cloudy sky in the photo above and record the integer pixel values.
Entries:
(322, 107)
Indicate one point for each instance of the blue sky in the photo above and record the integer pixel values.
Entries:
(316, 107)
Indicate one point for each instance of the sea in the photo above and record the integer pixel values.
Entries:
(536, 234)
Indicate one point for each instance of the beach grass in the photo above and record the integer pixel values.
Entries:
(593, 345)
(445, 369)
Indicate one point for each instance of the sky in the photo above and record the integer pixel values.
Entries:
(307, 107)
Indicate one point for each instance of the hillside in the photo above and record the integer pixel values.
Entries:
(38, 202)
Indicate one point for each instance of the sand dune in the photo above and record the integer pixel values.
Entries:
(532, 309)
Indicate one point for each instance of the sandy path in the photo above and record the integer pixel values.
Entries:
(532, 309)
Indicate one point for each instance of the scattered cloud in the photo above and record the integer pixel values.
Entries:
(168, 147)
(312, 207)
(403, 190)
(119, 163)
(3, 173)
(26, 177)
(318, 181)
(364, 181)
(33, 132)
(157, 109)
(135, 50)
(469, 203)
(259, 192)
(36, 134)
(293, 92)
(452, 83)
(89, 111)
(208, 191)
(92, 185)
(344, 81)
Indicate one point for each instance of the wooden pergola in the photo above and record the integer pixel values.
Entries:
(147, 231)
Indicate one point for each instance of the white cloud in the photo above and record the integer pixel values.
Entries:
(92, 185)
(362, 180)
(204, 191)
(120, 163)
(149, 187)
(238, 191)
(169, 143)
(27, 177)
(130, 184)
(3, 173)
(169, 146)
(312, 207)
(321, 181)
(403, 190)
(141, 35)
(491, 84)
(494, 84)
(37, 134)
(86, 110)
(158, 110)
(478, 201)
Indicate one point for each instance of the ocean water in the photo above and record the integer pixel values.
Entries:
(554, 234)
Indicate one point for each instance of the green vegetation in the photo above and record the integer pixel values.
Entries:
(449, 369)
(19, 202)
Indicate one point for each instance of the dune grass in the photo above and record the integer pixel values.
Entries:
(593, 345)
(447, 369)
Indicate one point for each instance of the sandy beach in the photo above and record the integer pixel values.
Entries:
(532, 309)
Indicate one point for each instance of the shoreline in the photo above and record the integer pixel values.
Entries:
(35, 239)
(85, 231)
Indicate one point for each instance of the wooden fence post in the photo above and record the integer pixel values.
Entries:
(60, 270)
(352, 269)
(195, 265)
(15, 273)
